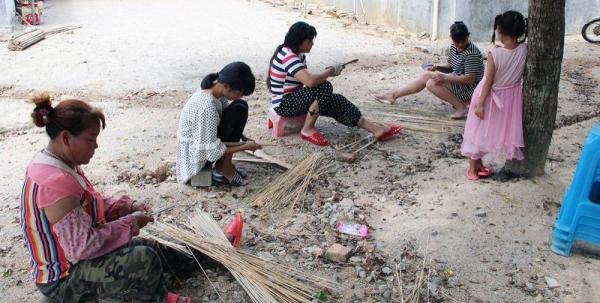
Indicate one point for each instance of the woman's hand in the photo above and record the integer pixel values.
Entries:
(337, 69)
(439, 78)
(141, 207)
(251, 145)
(479, 110)
(142, 219)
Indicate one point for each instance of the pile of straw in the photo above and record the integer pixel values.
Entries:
(264, 281)
(24, 40)
(417, 119)
(290, 188)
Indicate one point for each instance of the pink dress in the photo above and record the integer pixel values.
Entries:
(499, 136)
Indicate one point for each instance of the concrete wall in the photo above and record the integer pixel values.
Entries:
(417, 15)
(6, 11)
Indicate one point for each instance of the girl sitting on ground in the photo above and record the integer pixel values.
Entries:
(453, 82)
(295, 91)
(208, 120)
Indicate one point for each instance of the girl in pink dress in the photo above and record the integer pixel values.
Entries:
(494, 126)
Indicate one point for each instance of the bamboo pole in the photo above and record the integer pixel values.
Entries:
(261, 154)
(366, 145)
(228, 144)
(355, 142)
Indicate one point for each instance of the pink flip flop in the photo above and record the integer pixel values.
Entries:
(316, 139)
(472, 178)
(485, 172)
(394, 129)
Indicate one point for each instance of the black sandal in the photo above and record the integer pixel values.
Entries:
(237, 180)
(240, 172)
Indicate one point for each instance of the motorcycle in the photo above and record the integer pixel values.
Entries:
(591, 30)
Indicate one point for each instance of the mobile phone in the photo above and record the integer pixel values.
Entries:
(427, 66)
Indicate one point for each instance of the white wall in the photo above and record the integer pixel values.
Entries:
(416, 15)
(6, 11)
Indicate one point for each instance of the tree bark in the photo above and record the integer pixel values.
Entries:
(545, 44)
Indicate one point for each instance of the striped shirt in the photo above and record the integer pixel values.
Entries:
(468, 61)
(283, 68)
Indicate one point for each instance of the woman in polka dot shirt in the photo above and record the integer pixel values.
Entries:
(208, 120)
(295, 91)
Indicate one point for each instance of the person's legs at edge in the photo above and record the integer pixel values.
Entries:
(413, 87)
(444, 92)
(231, 128)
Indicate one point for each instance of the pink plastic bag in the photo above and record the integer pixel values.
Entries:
(354, 229)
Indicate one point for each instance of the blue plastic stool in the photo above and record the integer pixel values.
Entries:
(579, 217)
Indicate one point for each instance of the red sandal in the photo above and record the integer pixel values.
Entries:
(394, 129)
(235, 228)
(172, 298)
(486, 171)
(472, 177)
(316, 138)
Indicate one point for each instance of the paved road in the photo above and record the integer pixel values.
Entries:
(130, 45)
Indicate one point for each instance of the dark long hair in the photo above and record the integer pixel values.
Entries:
(72, 115)
(513, 24)
(237, 75)
(297, 33)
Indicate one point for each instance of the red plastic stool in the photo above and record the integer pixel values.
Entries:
(278, 123)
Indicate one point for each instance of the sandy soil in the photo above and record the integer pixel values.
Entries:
(141, 60)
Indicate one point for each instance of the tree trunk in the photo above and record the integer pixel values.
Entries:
(545, 44)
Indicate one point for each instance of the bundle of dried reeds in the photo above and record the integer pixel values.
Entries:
(417, 119)
(22, 41)
(290, 188)
(264, 281)
(404, 109)
(433, 129)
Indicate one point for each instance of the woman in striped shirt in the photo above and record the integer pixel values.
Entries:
(295, 91)
(455, 81)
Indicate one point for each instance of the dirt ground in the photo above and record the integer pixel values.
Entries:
(433, 233)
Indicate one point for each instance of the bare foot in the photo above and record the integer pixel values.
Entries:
(181, 300)
(472, 171)
(460, 113)
(381, 129)
(386, 98)
(308, 132)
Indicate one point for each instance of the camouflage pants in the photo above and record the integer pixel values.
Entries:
(136, 267)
